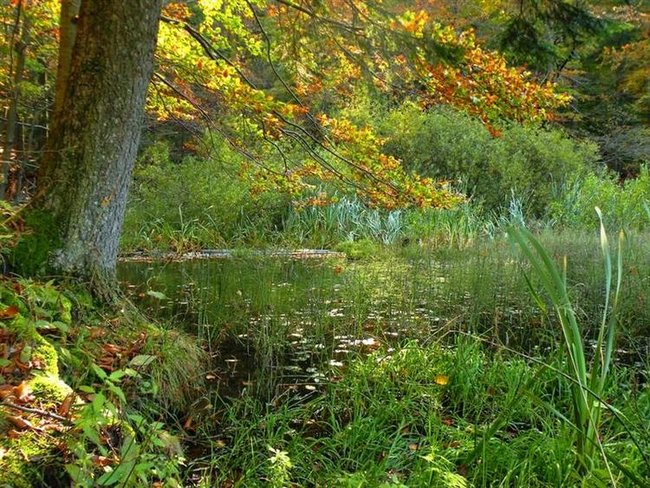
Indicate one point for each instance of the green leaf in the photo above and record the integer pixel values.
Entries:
(117, 391)
(157, 295)
(121, 373)
(99, 372)
(26, 354)
(62, 326)
(141, 360)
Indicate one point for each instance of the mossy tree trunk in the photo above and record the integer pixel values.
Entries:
(84, 178)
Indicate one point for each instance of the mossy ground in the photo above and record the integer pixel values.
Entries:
(55, 368)
(22, 458)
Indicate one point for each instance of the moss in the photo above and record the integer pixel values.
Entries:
(49, 389)
(26, 458)
(31, 255)
(43, 352)
(21, 466)
(361, 249)
(47, 355)
(30, 458)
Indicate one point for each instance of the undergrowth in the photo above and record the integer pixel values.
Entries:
(86, 394)
(413, 417)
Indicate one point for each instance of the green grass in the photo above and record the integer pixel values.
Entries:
(387, 421)
(508, 415)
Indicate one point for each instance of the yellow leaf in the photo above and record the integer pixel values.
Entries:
(441, 379)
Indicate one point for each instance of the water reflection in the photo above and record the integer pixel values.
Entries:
(277, 325)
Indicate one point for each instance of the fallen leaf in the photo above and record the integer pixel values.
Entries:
(157, 295)
(24, 367)
(22, 392)
(21, 423)
(96, 332)
(112, 348)
(64, 408)
(441, 379)
(6, 392)
(141, 360)
(9, 313)
(101, 461)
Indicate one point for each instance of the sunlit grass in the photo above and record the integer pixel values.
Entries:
(316, 361)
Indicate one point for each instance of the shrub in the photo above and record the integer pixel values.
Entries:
(446, 144)
(200, 202)
(624, 204)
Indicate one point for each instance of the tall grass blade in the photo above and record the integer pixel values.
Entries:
(588, 383)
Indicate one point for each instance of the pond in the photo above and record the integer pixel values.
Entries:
(277, 324)
(280, 321)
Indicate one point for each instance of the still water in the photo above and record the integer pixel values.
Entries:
(277, 324)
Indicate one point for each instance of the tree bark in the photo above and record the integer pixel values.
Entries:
(19, 47)
(67, 34)
(93, 140)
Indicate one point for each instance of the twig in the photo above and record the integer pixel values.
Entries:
(36, 411)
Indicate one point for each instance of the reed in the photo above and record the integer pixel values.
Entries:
(589, 376)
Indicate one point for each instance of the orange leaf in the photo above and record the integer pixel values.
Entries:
(9, 313)
(64, 408)
(22, 392)
(6, 391)
(20, 422)
(101, 461)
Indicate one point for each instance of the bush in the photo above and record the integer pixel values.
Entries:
(527, 161)
(624, 204)
(200, 202)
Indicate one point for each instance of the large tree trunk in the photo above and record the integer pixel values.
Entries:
(93, 141)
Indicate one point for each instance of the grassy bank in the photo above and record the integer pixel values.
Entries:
(87, 395)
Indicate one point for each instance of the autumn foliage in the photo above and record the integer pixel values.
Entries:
(315, 57)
